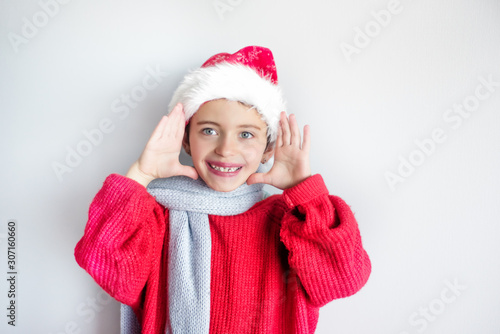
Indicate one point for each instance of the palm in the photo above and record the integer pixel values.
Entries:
(291, 157)
(160, 158)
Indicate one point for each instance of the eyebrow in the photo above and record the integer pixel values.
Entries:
(239, 126)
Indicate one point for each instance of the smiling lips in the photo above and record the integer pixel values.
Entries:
(223, 169)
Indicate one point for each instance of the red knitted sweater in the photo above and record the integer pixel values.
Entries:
(272, 267)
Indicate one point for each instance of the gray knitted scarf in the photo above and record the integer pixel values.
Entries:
(189, 203)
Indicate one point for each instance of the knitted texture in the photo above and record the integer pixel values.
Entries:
(190, 202)
(272, 267)
(128, 321)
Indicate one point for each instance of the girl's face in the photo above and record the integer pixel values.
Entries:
(227, 141)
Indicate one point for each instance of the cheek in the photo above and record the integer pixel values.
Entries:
(196, 156)
(253, 154)
(198, 148)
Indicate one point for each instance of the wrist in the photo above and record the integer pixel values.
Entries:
(297, 180)
(139, 176)
(299, 175)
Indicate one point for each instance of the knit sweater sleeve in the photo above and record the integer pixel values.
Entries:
(324, 242)
(123, 238)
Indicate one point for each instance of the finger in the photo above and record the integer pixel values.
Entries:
(174, 116)
(189, 172)
(259, 178)
(285, 127)
(157, 132)
(295, 131)
(279, 140)
(306, 145)
(175, 127)
(181, 122)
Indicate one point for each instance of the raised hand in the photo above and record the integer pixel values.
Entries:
(291, 157)
(160, 157)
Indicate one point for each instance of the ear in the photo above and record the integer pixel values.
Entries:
(185, 142)
(268, 153)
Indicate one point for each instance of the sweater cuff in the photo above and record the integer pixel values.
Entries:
(310, 188)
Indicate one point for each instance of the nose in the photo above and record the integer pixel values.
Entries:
(226, 146)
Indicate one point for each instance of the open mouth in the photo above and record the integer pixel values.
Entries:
(224, 169)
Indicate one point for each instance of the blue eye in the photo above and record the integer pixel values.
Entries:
(209, 132)
(246, 135)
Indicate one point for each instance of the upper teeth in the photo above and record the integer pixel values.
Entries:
(225, 169)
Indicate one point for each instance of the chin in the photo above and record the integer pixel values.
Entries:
(223, 187)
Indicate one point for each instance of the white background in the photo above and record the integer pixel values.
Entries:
(438, 227)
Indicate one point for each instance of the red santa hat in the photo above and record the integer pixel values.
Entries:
(248, 76)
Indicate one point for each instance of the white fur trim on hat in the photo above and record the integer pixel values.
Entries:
(234, 82)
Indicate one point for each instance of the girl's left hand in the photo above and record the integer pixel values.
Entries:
(291, 156)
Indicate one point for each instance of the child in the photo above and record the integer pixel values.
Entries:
(198, 249)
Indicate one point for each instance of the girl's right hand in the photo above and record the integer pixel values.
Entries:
(160, 157)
